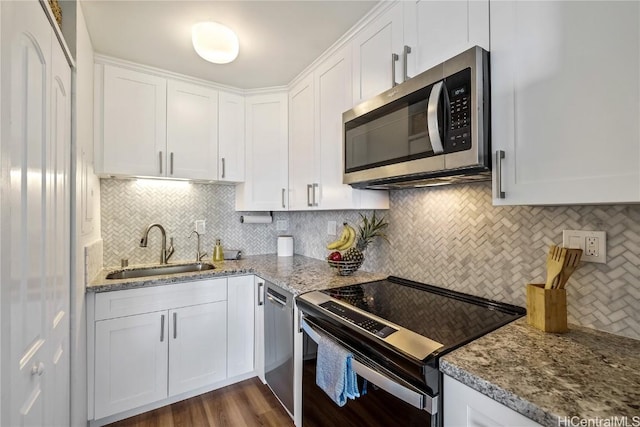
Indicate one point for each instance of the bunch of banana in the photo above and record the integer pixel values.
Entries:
(346, 239)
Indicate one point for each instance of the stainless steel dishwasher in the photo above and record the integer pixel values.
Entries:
(278, 343)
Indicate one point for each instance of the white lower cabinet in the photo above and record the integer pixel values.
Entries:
(131, 362)
(463, 406)
(197, 346)
(149, 347)
(241, 325)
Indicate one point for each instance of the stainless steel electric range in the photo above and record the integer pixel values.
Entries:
(397, 331)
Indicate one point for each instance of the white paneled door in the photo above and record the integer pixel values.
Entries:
(34, 243)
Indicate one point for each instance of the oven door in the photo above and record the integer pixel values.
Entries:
(389, 400)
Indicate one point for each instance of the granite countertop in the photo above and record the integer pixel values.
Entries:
(297, 274)
(551, 378)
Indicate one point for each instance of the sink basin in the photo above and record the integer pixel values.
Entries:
(160, 270)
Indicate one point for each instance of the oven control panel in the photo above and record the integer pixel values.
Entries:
(370, 325)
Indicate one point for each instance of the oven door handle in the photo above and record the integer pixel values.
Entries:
(413, 398)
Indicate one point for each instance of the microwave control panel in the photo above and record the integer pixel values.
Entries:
(458, 135)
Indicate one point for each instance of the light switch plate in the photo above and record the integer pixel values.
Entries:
(201, 227)
(592, 243)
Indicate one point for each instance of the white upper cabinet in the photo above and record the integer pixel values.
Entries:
(332, 85)
(374, 47)
(149, 124)
(438, 30)
(302, 156)
(231, 129)
(192, 131)
(316, 160)
(565, 102)
(266, 165)
(132, 108)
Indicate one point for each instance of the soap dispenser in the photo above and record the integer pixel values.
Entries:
(218, 253)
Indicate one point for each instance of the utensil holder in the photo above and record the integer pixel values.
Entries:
(547, 308)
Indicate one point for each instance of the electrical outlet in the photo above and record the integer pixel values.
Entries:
(282, 225)
(592, 243)
(331, 228)
(201, 227)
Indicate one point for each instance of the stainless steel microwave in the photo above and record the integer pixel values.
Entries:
(432, 129)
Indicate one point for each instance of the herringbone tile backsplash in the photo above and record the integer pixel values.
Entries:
(128, 206)
(453, 237)
(448, 236)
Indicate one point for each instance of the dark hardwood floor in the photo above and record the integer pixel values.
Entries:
(248, 403)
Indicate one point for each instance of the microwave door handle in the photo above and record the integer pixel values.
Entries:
(432, 118)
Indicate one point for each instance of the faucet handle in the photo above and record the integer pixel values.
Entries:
(201, 255)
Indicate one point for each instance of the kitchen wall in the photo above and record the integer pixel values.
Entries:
(86, 202)
(128, 206)
(447, 236)
(453, 237)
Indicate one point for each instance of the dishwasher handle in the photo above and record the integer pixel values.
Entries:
(276, 298)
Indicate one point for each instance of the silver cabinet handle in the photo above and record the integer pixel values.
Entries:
(315, 187)
(283, 191)
(171, 163)
(499, 156)
(309, 202)
(394, 59)
(162, 328)
(160, 157)
(405, 53)
(175, 325)
(432, 118)
(260, 293)
(223, 172)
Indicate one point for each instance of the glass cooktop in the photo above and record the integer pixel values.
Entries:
(448, 317)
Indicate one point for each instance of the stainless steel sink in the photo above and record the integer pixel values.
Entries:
(160, 270)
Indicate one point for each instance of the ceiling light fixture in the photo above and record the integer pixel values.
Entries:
(214, 42)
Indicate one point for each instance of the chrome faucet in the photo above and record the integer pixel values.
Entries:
(199, 255)
(165, 253)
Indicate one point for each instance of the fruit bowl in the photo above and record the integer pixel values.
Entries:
(345, 268)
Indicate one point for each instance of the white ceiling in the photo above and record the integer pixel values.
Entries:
(278, 39)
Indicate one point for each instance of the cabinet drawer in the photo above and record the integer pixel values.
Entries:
(145, 300)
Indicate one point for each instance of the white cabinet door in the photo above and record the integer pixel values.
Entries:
(240, 325)
(332, 84)
(134, 108)
(230, 137)
(58, 238)
(35, 144)
(192, 131)
(373, 48)
(266, 171)
(463, 406)
(566, 119)
(438, 30)
(302, 156)
(198, 346)
(131, 359)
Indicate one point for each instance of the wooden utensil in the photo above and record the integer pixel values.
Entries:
(571, 262)
(555, 262)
